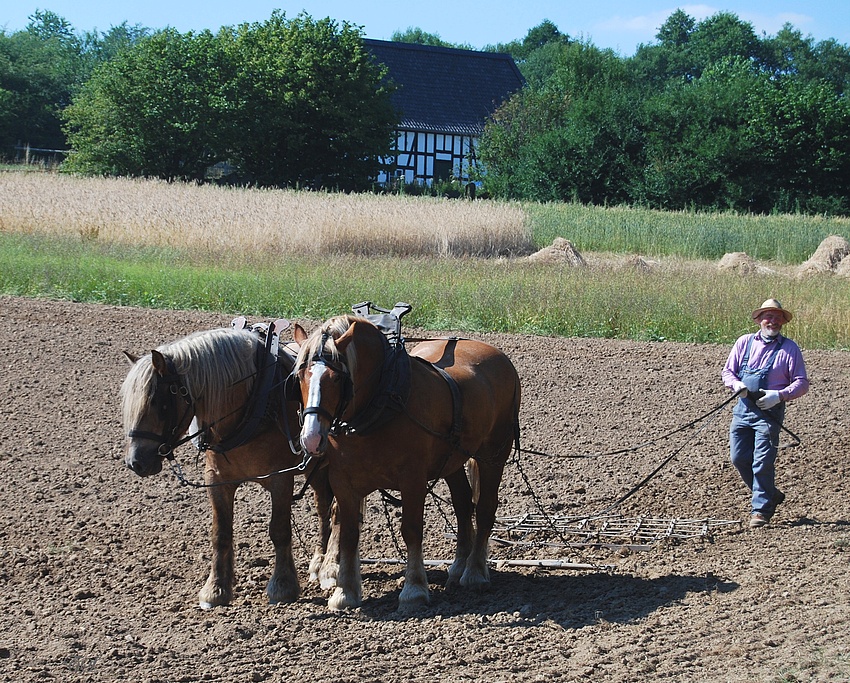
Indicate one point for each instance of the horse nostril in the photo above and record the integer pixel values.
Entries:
(142, 467)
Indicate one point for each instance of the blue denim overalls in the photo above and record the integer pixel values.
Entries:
(754, 433)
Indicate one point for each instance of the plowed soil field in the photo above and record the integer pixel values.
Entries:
(100, 569)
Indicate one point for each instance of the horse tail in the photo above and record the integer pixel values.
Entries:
(517, 400)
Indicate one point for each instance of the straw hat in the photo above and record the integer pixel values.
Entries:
(772, 305)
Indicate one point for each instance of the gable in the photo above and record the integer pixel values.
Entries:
(446, 90)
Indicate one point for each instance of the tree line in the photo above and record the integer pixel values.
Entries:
(708, 116)
(282, 103)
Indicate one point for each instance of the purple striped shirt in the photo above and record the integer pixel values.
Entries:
(788, 374)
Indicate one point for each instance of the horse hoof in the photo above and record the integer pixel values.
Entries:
(281, 594)
(455, 574)
(475, 582)
(476, 578)
(340, 601)
(413, 598)
(315, 566)
(213, 596)
(327, 575)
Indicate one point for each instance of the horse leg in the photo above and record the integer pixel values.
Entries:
(348, 591)
(462, 503)
(326, 566)
(283, 586)
(477, 573)
(329, 569)
(323, 498)
(415, 591)
(218, 589)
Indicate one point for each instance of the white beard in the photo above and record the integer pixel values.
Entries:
(770, 333)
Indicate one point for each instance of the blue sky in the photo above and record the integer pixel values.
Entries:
(617, 24)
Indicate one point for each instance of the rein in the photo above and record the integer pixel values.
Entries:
(632, 449)
(712, 414)
(177, 470)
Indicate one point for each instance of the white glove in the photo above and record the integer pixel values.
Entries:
(739, 386)
(770, 399)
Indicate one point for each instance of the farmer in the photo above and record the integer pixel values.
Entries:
(765, 370)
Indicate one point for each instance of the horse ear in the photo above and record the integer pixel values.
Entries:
(132, 357)
(299, 334)
(343, 342)
(159, 363)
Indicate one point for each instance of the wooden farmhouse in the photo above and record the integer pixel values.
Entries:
(444, 96)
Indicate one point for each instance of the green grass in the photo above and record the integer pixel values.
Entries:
(784, 239)
(446, 293)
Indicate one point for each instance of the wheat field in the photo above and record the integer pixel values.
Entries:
(216, 220)
(301, 254)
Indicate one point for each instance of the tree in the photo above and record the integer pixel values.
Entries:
(288, 103)
(417, 36)
(546, 33)
(802, 130)
(40, 69)
(577, 138)
(698, 150)
(311, 106)
(102, 47)
(677, 30)
(686, 48)
(722, 35)
(503, 148)
(789, 55)
(670, 58)
(153, 110)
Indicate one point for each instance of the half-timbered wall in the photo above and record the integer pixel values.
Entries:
(422, 157)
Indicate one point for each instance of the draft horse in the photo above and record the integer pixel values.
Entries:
(400, 423)
(225, 387)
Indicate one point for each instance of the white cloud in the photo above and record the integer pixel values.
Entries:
(771, 24)
(645, 26)
(651, 22)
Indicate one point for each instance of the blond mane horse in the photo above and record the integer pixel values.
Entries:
(206, 380)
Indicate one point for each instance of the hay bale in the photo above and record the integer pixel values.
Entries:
(843, 268)
(829, 254)
(637, 263)
(560, 251)
(739, 262)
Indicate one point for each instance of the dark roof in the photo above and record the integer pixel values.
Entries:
(446, 90)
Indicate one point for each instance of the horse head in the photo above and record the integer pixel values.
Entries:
(338, 369)
(324, 378)
(208, 376)
(157, 410)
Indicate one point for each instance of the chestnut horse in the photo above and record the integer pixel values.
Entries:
(460, 402)
(227, 384)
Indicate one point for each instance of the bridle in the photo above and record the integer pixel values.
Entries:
(337, 426)
(168, 395)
